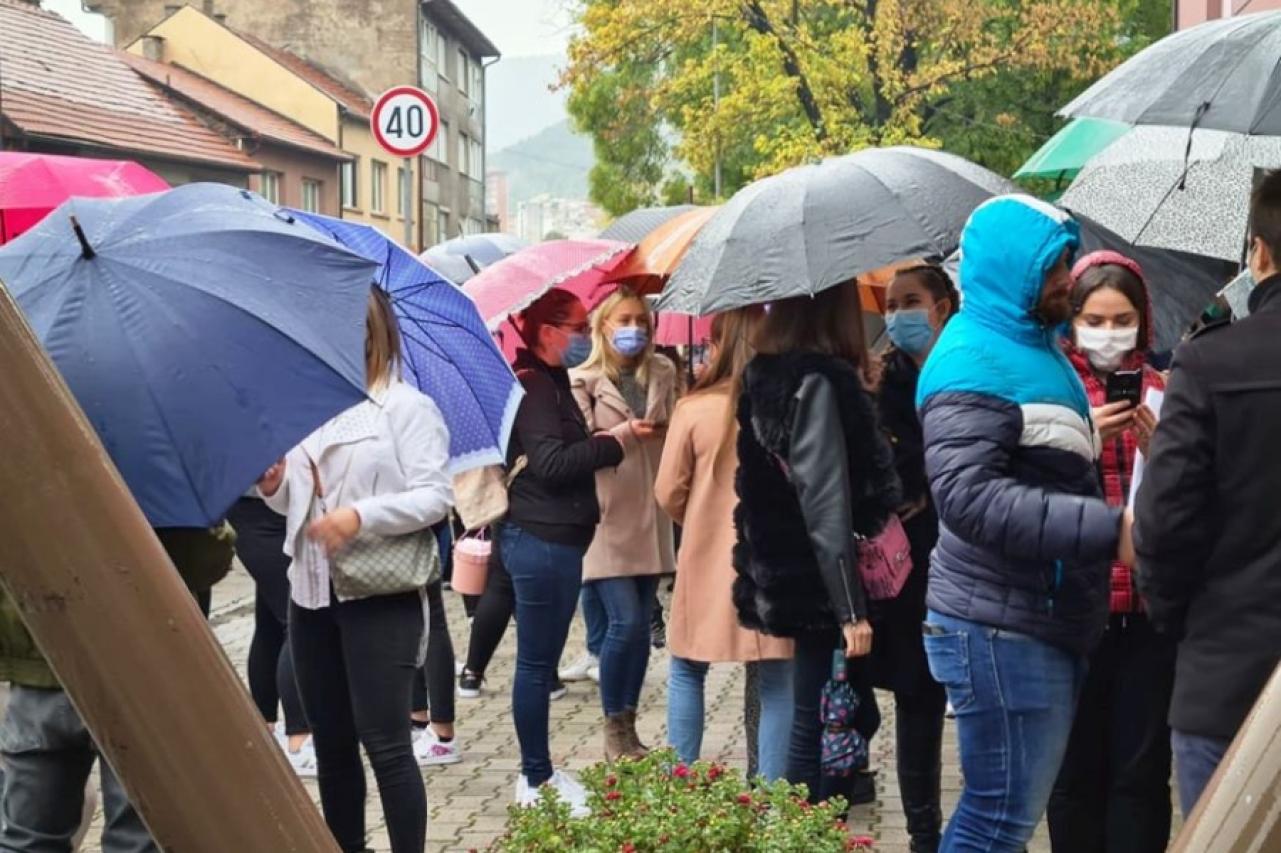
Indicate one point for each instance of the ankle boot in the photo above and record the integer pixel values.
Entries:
(635, 748)
(920, 793)
(617, 743)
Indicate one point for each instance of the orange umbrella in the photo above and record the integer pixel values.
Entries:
(657, 255)
(871, 285)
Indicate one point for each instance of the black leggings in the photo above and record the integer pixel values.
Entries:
(260, 538)
(356, 664)
(434, 682)
(493, 613)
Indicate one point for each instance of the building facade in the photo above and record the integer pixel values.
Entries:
(1189, 13)
(369, 46)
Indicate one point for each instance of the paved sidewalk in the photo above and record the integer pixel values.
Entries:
(469, 801)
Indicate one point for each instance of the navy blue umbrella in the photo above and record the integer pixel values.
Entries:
(203, 332)
(449, 354)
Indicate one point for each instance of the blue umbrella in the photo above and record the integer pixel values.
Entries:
(461, 258)
(449, 354)
(202, 333)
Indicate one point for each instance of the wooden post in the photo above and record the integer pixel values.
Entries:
(1240, 810)
(123, 633)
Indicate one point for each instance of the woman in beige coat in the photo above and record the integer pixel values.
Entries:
(696, 488)
(624, 382)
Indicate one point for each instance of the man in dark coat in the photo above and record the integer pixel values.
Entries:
(1208, 528)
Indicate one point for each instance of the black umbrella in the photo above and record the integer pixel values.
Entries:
(1222, 75)
(813, 227)
(635, 226)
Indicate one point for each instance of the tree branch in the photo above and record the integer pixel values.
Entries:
(759, 21)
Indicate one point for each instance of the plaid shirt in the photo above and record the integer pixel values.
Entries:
(1116, 463)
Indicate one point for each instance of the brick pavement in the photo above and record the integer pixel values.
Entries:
(468, 801)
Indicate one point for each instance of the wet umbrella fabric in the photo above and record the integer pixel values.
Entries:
(203, 337)
(449, 354)
(843, 749)
(813, 227)
(461, 258)
(635, 226)
(1220, 75)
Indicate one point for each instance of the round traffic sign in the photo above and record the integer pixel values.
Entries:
(404, 121)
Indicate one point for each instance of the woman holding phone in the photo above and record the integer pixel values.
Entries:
(626, 390)
(1113, 790)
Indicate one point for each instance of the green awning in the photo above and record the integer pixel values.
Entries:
(1068, 150)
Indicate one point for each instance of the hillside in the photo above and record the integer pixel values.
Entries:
(555, 161)
(521, 101)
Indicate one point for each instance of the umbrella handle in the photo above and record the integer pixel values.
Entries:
(86, 251)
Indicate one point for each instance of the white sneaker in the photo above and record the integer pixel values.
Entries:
(431, 752)
(566, 787)
(950, 713)
(593, 671)
(459, 666)
(303, 760)
(559, 691)
(581, 669)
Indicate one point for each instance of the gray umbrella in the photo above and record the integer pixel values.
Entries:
(813, 227)
(1221, 75)
(1152, 190)
(635, 226)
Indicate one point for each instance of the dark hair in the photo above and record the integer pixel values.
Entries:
(937, 282)
(550, 309)
(1123, 281)
(1265, 213)
(830, 322)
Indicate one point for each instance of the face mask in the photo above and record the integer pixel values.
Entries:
(1106, 348)
(576, 351)
(630, 340)
(910, 330)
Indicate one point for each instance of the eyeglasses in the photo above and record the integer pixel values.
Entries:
(580, 329)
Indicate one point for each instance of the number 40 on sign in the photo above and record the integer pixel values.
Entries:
(404, 121)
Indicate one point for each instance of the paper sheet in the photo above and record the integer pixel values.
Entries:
(1153, 400)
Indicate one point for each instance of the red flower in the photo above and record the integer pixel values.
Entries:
(715, 772)
(681, 772)
(611, 780)
(613, 795)
(629, 848)
(744, 799)
(860, 842)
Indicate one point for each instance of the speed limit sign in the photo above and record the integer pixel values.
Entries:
(405, 121)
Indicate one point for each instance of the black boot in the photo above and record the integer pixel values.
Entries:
(919, 744)
(920, 793)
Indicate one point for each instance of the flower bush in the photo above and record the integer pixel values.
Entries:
(660, 804)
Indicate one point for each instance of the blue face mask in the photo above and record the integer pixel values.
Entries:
(910, 330)
(630, 341)
(576, 351)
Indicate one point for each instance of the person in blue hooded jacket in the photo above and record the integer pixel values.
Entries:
(1018, 583)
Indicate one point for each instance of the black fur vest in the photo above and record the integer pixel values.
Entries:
(778, 589)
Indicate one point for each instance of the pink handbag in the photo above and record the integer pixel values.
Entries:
(885, 560)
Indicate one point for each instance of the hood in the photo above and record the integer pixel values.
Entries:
(1008, 246)
(1107, 256)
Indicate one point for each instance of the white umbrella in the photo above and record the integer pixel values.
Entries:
(1152, 190)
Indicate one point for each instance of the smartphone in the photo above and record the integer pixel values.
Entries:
(1126, 385)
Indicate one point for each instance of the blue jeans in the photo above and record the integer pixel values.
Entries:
(1014, 698)
(1195, 759)
(546, 578)
(594, 618)
(685, 715)
(624, 655)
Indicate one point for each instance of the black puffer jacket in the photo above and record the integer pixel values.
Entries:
(554, 498)
(813, 468)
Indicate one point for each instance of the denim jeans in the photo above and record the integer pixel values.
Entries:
(594, 619)
(546, 578)
(624, 656)
(685, 714)
(1014, 698)
(48, 755)
(356, 664)
(1195, 759)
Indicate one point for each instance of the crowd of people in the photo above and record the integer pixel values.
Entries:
(1082, 636)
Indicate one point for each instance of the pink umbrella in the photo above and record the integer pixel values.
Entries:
(682, 330)
(32, 185)
(514, 283)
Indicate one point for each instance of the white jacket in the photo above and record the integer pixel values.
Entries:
(385, 457)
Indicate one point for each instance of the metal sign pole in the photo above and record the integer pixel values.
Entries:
(407, 192)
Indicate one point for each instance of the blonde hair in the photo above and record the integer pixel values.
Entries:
(603, 357)
(382, 341)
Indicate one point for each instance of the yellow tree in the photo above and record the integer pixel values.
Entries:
(759, 85)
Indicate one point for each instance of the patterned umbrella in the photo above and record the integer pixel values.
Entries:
(844, 749)
(1151, 189)
(634, 226)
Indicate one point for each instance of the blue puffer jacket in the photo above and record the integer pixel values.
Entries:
(1025, 540)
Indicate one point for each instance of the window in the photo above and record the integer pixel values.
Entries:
(464, 72)
(377, 187)
(442, 55)
(477, 90)
(311, 195)
(270, 183)
(429, 57)
(442, 225)
(402, 186)
(350, 198)
(464, 153)
(441, 154)
(431, 224)
(476, 159)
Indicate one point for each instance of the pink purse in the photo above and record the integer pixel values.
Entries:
(885, 560)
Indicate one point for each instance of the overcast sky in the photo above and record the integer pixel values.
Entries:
(518, 27)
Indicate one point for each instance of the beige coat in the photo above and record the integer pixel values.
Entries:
(699, 495)
(634, 538)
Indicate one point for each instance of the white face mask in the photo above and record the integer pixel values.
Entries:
(1106, 348)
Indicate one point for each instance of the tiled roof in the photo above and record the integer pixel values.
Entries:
(233, 107)
(347, 97)
(57, 83)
